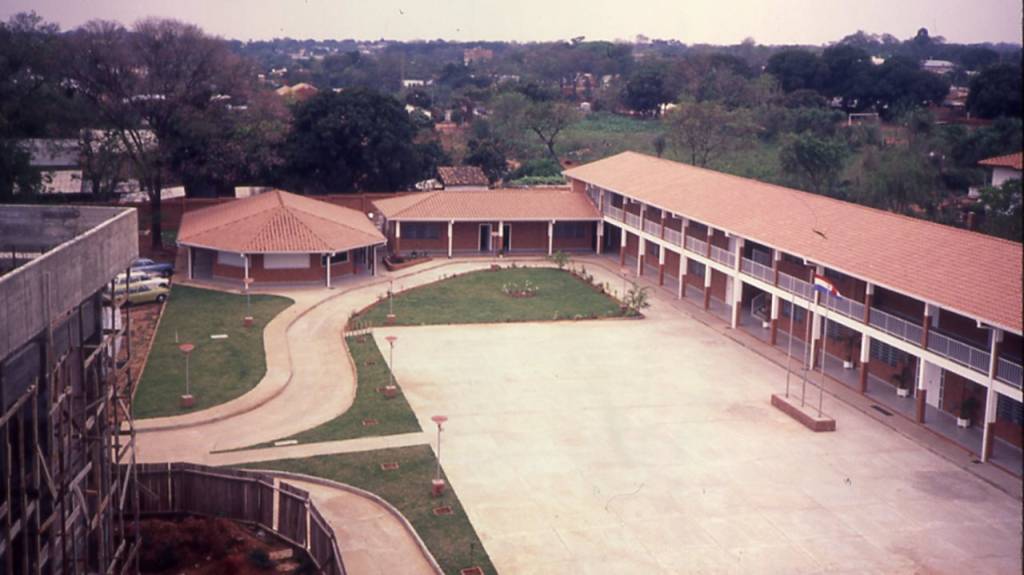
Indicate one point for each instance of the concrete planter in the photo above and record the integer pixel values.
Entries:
(963, 423)
(390, 391)
(247, 321)
(765, 324)
(847, 364)
(187, 401)
(903, 391)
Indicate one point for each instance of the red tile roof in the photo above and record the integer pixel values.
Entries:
(511, 205)
(278, 222)
(462, 176)
(1008, 161)
(973, 274)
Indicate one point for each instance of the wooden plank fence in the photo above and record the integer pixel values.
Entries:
(245, 496)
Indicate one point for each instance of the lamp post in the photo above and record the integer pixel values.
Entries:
(391, 390)
(247, 321)
(437, 484)
(187, 400)
(391, 304)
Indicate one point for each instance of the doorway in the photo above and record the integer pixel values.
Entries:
(485, 237)
(506, 238)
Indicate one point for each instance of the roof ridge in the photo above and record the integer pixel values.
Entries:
(816, 196)
(333, 221)
(426, 196)
(288, 210)
(234, 221)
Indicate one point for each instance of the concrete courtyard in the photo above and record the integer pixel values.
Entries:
(650, 446)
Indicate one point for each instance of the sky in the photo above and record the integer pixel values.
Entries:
(688, 21)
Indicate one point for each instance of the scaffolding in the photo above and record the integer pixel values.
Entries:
(68, 498)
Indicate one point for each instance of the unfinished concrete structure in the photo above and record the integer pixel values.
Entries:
(68, 497)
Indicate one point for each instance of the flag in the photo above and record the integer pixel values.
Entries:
(824, 286)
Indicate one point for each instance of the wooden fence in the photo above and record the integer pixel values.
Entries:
(245, 496)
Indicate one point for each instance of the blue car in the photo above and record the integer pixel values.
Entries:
(157, 268)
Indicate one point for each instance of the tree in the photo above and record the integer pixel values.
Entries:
(901, 178)
(702, 129)
(1003, 214)
(797, 69)
(816, 161)
(149, 85)
(978, 57)
(515, 114)
(487, 153)
(900, 85)
(996, 91)
(848, 74)
(646, 90)
(353, 140)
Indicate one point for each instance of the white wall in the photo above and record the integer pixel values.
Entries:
(1000, 175)
(285, 261)
(230, 259)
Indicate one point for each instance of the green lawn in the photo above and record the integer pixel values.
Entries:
(477, 297)
(450, 538)
(393, 415)
(220, 370)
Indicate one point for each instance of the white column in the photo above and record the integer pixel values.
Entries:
(682, 272)
(189, 248)
(551, 237)
(991, 397)
(501, 237)
(245, 262)
(451, 227)
(327, 264)
(600, 236)
(865, 348)
(661, 255)
(398, 229)
(622, 237)
(776, 305)
(640, 252)
(373, 255)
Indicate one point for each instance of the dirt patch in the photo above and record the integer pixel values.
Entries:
(208, 546)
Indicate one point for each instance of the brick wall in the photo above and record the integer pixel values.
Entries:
(718, 281)
(671, 264)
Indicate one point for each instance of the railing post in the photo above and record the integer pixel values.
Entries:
(926, 323)
(869, 292)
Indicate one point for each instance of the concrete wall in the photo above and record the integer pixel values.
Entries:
(97, 244)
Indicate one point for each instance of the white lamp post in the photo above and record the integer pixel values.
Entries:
(187, 400)
(438, 483)
(391, 390)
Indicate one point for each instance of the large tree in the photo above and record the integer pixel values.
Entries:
(996, 91)
(150, 85)
(702, 129)
(816, 162)
(515, 115)
(353, 140)
(647, 89)
(797, 69)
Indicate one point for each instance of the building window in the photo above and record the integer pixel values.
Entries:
(285, 261)
(338, 258)
(887, 353)
(421, 231)
(571, 229)
(231, 259)
(695, 268)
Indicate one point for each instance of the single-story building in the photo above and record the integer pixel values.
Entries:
(278, 237)
(1004, 168)
(489, 222)
(462, 178)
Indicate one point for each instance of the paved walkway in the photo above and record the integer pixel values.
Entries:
(372, 540)
(650, 447)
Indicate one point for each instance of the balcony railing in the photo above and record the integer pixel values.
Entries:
(762, 258)
(723, 256)
(653, 228)
(958, 351)
(632, 220)
(696, 246)
(759, 271)
(1009, 372)
(901, 328)
(796, 286)
(844, 305)
(613, 212)
(673, 236)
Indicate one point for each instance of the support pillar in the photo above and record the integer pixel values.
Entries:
(707, 287)
(815, 327)
(398, 238)
(189, 252)
(551, 237)
(773, 323)
(737, 301)
(683, 264)
(500, 248)
(921, 392)
(245, 277)
(622, 247)
(352, 258)
(869, 292)
(991, 397)
(327, 264)
(373, 254)
(865, 360)
(776, 258)
(661, 261)
(926, 324)
(451, 229)
(640, 253)
(600, 236)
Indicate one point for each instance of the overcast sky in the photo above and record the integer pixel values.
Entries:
(689, 21)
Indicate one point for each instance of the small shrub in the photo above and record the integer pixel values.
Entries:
(636, 300)
(561, 259)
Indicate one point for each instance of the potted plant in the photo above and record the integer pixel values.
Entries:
(967, 408)
(902, 380)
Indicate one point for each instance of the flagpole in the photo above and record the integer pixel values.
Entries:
(789, 345)
(824, 350)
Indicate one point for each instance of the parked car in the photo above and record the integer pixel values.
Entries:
(136, 276)
(164, 269)
(146, 293)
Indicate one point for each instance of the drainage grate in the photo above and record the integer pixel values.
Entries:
(443, 510)
(882, 410)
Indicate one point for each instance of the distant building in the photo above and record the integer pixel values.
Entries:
(416, 83)
(471, 55)
(299, 92)
(58, 162)
(462, 178)
(1004, 168)
(940, 67)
